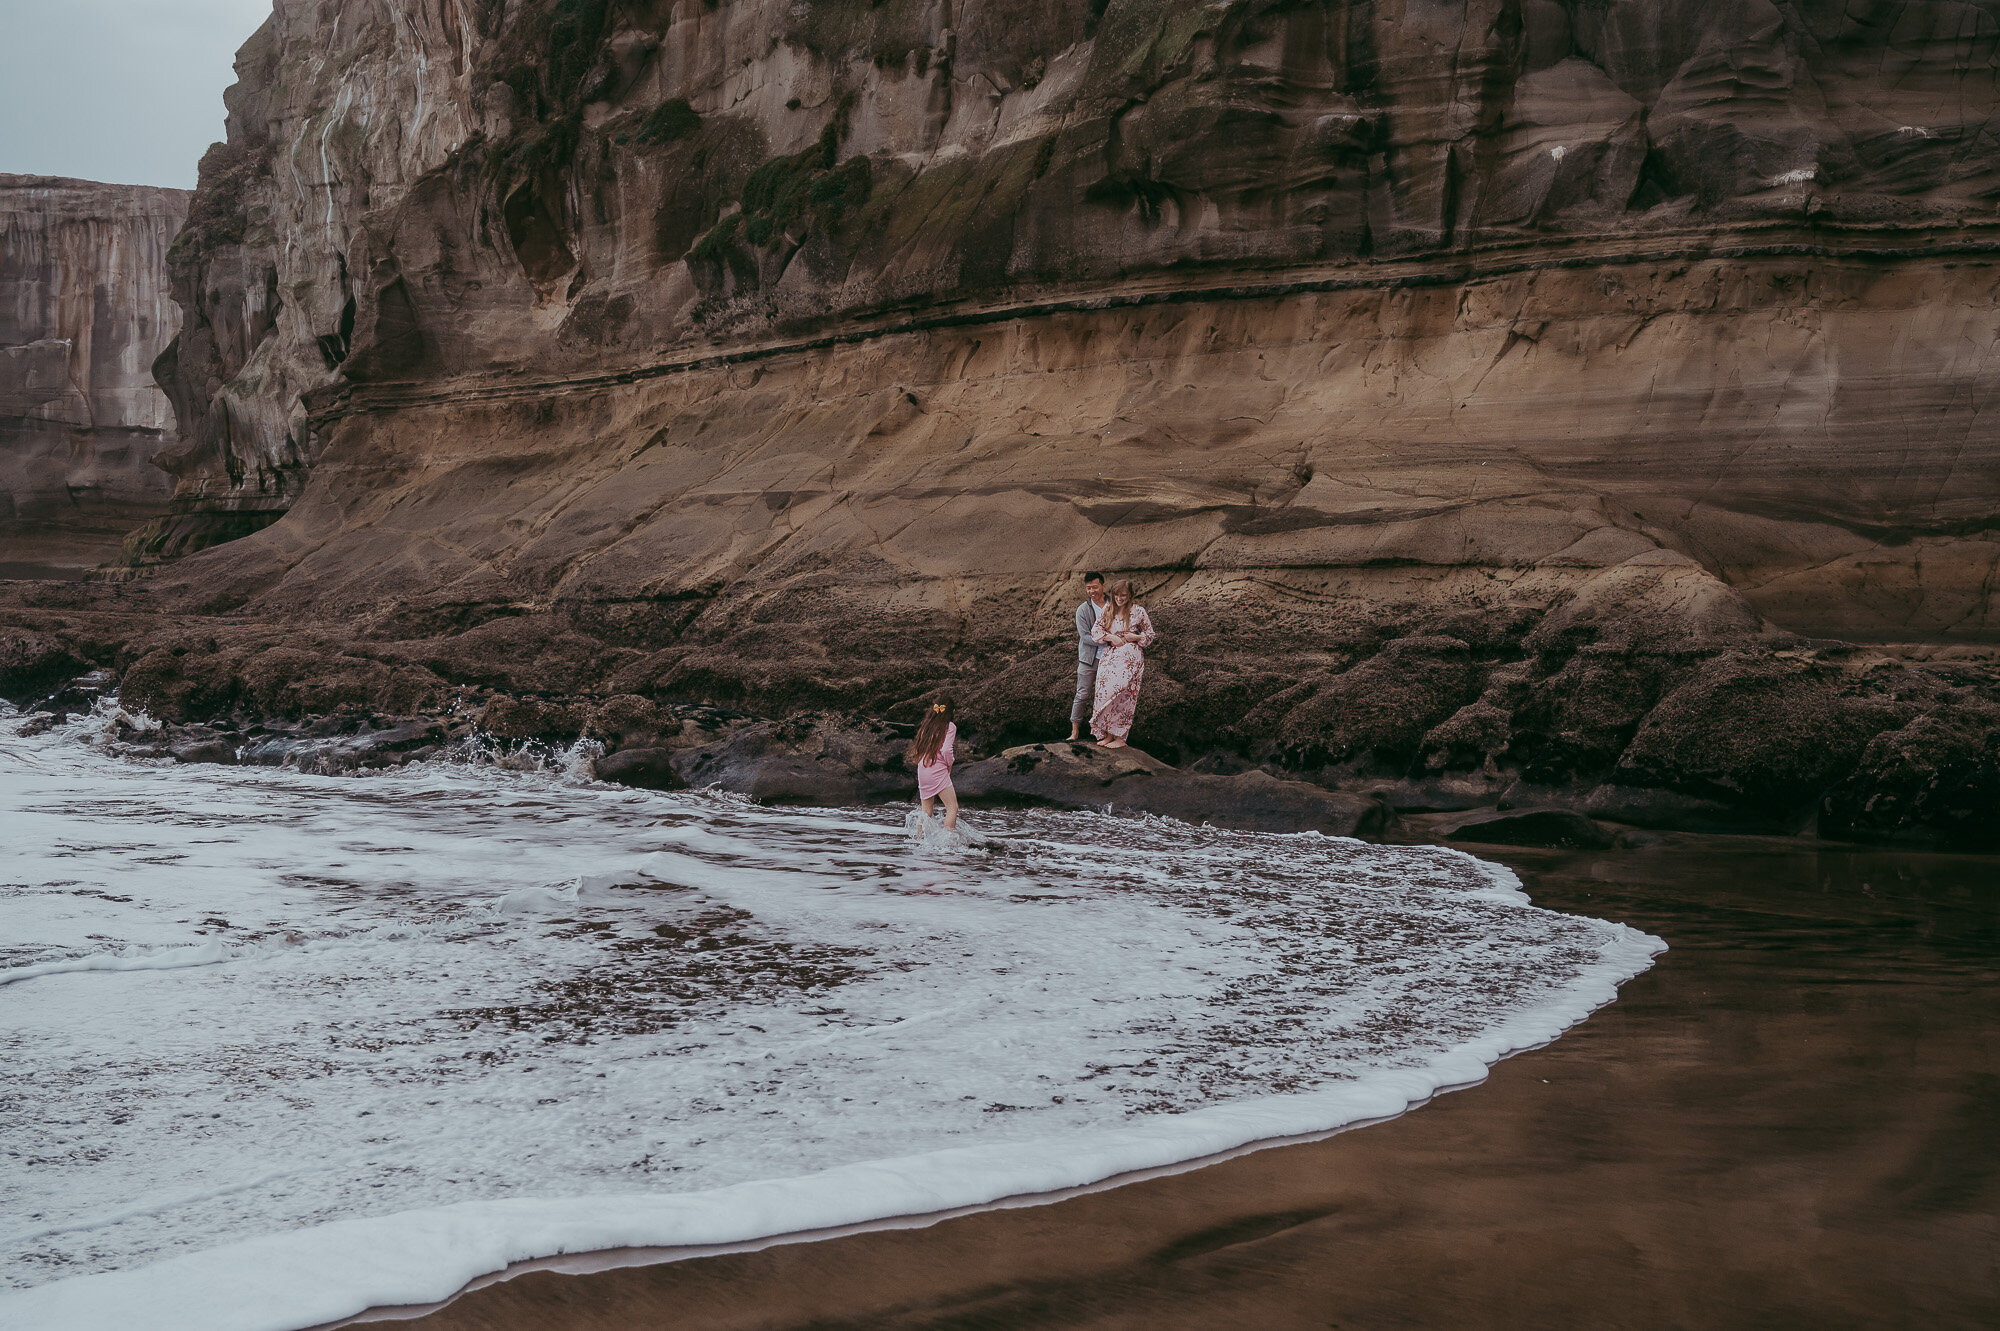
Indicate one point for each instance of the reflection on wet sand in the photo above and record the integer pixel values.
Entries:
(1789, 1121)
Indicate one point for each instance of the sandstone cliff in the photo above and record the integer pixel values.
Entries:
(1483, 392)
(84, 310)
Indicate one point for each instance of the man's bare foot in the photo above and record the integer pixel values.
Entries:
(1072, 737)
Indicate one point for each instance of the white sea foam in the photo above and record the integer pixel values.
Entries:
(282, 1046)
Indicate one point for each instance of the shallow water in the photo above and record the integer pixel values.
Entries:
(406, 1007)
(1789, 1122)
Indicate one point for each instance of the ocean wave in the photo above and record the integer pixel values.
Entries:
(354, 1042)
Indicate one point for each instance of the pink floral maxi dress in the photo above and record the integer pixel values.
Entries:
(935, 775)
(1119, 670)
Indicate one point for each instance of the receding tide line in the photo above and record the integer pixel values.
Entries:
(618, 1259)
(324, 1274)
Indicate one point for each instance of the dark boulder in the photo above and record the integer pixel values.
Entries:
(1563, 829)
(508, 717)
(1378, 711)
(1934, 782)
(79, 694)
(1749, 743)
(199, 744)
(367, 747)
(1672, 810)
(646, 769)
(817, 758)
(1083, 776)
(32, 664)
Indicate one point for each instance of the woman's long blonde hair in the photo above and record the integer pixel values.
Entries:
(1118, 603)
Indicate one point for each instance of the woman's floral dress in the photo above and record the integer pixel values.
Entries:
(1119, 670)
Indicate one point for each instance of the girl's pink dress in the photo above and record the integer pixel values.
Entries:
(935, 775)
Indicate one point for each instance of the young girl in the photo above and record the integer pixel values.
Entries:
(931, 751)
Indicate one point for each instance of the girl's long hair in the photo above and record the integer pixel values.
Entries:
(930, 732)
(1118, 602)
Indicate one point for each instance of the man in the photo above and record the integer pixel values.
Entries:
(1086, 653)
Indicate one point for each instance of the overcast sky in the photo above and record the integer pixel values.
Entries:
(126, 91)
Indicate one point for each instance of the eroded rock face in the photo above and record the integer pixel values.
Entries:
(1479, 392)
(564, 187)
(84, 311)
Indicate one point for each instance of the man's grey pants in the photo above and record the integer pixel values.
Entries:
(1086, 690)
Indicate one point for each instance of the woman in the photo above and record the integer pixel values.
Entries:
(932, 751)
(1124, 630)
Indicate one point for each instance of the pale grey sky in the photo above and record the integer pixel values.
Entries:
(126, 91)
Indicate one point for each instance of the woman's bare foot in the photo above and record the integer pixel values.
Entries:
(1112, 743)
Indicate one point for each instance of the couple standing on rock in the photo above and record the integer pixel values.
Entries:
(1111, 637)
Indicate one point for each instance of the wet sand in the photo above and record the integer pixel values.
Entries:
(1790, 1121)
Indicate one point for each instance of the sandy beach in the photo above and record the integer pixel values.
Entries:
(1787, 1122)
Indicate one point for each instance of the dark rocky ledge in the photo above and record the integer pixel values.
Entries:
(1839, 741)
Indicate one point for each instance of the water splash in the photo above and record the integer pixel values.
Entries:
(571, 764)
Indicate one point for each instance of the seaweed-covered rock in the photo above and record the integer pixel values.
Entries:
(1577, 721)
(1377, 711)
(508, 717)
(1760, 736)
(33, 664)
(196, 678)
(1477, 734)
(182, 683)
(1934, 782)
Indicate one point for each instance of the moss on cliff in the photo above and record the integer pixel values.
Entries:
(218, 213)
(671, 121)
(179, 534)
(715, 242)
(887, 30)
(575, 33)
(781, 196)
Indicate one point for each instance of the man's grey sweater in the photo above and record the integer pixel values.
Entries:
(1086, 620)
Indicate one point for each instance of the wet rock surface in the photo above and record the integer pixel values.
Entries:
(814, 758)
(647, 769)
(1563, 829)
(1085, 776)
(1846, 742)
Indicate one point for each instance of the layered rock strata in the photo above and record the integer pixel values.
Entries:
(84, 311)
(1484, 395)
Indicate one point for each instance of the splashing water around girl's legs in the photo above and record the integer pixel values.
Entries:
(949, 798)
